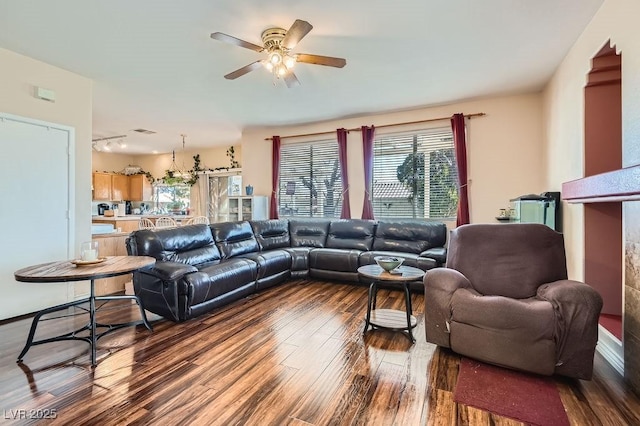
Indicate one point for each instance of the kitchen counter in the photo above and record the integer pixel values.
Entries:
(129, 223)
(178, 217)
(109, 235)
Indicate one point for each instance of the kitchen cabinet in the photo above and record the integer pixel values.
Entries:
(140, 188)
(102, 186)
(248, 208)
(119, 187)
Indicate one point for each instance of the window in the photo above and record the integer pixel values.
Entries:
(172, 198)
(415, 175)
(310, 180)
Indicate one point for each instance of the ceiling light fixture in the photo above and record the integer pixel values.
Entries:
(174, 171)
(97, 145)
(279, 61)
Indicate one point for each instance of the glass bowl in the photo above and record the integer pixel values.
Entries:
(388, 263)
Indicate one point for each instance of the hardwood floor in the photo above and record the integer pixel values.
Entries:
(291, 355)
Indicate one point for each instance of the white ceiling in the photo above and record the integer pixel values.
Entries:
(154, 65)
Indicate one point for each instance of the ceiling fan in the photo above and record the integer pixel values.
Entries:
(277, 44)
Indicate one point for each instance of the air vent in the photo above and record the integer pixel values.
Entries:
(145, 131)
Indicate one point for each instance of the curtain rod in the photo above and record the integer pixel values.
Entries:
(357, 129)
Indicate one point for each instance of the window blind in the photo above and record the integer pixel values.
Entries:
(310, 180)
(415, 175)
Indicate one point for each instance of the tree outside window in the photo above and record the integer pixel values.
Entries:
(415, 176)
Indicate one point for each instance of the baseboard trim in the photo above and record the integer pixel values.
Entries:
(611, 349)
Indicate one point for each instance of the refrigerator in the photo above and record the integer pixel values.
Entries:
(533, 208)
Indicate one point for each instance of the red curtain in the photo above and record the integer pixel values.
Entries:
(345, 213)
(367, 148)
(275, 177)
(460, 144)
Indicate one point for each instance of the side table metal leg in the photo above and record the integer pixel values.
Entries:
(408, 307)
(36, 319)
(143, 314)
(32, 333)
(92, 319)
(370, 302)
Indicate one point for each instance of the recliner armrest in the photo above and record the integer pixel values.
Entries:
(439, 286)
(170, 271)
(577, 307)
(439, 254)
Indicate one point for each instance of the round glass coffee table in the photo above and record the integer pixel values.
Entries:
(390, 319)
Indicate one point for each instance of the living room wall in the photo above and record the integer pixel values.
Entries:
(156, 164)
(505, 153)
(19, 75)
(563, 105)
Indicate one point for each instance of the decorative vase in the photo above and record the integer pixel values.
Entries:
(249, 189)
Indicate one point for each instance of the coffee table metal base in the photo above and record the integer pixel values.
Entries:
(390, 319)
(92, 326)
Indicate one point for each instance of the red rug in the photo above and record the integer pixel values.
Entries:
(525, 397)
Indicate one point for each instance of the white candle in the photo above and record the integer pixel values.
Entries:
(88, 255)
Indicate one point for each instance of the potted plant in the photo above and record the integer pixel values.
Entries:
(175, 207)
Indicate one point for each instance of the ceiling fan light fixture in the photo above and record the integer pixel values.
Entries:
(275, 58)
(277, 44)
(289, 61)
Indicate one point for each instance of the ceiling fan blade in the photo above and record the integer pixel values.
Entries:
(232, 40)
(321, 60)
(291, 80)
(244, 70)
(298, 30)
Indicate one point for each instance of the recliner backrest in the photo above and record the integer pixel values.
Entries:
(308, 232)
(271, 234)
(191, 245)
(510, 260)
(356, 234)
(234, 238)
(409, 237)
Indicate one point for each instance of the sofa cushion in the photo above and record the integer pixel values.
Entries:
(219, 279)
(270, 262)
(271, 234)
(409, 237)
(308, 232)
(191, 245)
(356, 234)
(234, 238)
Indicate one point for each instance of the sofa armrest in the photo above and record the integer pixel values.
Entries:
(158, 288)
(439, 286)
(577, 308)
(439, 254)
(170, 271)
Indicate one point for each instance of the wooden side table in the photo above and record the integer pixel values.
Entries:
(64, 271)
(390, 319)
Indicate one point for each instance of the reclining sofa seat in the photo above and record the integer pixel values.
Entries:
(202, 267)
(190, 277)
(261, 242)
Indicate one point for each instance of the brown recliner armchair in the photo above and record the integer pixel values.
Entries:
(504, 298)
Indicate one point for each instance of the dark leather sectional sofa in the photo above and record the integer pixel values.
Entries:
(203, 267)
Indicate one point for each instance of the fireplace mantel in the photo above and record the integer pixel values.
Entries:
(615, 186)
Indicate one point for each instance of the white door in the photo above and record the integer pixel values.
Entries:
(35, 170)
